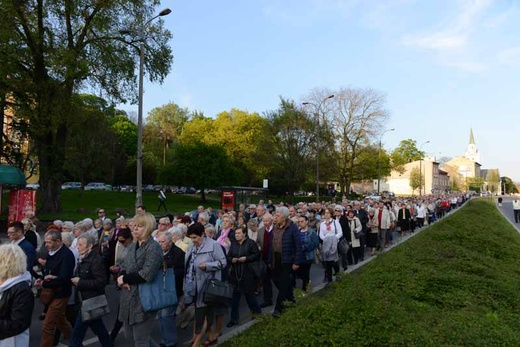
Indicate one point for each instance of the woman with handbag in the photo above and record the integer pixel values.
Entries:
(330, 234)
(141, 265)
(90, 282)
(242, 253)
(204, 261)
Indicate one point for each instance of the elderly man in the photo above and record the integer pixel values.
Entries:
(293, 215)
(173, 257)
(260, 213)
(263, 240)
(284, 256)
(203, 218)
(59, 269)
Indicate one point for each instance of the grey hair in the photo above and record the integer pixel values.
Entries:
(166, 234)
(87, 237)
(176, 231)
(54, 234)
(283, 210)
(88, 221)
(107, 221)
(182, 228)
(68, 224)
(81, 225)
(211, 229)
(67, 238)
(204, 216)
(58, 223)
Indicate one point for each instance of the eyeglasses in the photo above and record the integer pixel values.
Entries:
(101, 211)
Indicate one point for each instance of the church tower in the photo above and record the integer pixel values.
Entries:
(472, 152)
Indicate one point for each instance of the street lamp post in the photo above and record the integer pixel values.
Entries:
(379, 160)
(420, 169)
(317, 115)
(141, 38)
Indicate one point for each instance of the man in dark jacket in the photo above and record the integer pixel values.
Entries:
(16, 235)
(284, 257)
(59, 269)
(173, 257)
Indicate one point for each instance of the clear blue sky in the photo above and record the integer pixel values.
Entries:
(445, 65)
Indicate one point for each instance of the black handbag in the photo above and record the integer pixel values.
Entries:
(217, 293)
(258, 268)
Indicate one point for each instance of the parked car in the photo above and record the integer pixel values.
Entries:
(148, 188)
(191, 190)
(32, 186)
(181, 190)
(71, 185)
(98, 186)
(126, 188)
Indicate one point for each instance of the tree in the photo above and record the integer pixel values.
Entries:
(355, 117)
(493, 180)
(294, 140)
(203, 166)
(415, 179)
(126, 132)
(509, 185)
(242, 134)
(53, 49)
(406, 152)
(164, 126)
(474, 183)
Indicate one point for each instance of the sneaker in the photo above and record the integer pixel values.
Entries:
(276, 314)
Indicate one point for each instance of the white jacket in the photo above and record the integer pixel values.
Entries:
(516, 204)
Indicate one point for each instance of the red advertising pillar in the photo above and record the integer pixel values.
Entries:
(21, 201)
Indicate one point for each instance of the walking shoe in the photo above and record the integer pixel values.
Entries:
(276, 314)
(231, 324)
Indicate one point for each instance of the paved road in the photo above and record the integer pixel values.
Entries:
(185, 334)
(507, 210)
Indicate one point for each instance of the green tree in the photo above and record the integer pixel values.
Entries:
(202, 166)
(415, 179)
(509, 185)
(404, 153)
(53, 49)
(293, 137)
(474, 183)
(126, 132)
(454, 185)
(493, 180)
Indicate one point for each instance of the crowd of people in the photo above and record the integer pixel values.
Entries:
(251, 248)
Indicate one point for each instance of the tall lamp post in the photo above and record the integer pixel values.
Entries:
(141, 37)
(317, 115)
(379, 160)
(420, 168)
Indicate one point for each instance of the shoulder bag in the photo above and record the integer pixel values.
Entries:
(217, 293)
(94, 308)
(160, 293)
(343, 246)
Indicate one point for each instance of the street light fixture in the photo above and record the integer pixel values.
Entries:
(379, 160)
(420, 168)
(141, 37)
(317, 115)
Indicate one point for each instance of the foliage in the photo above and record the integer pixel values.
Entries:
(493, 180)
(203, 166)
(474, 183)
(126, 133)
(454, 284)
(294, 140)
(406, 152)
(509, 186)
(415, 179)
(454, 185)
(243, 135)
(53, 49)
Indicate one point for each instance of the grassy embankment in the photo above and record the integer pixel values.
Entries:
(457, 283)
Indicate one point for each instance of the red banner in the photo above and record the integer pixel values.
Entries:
(21, 201)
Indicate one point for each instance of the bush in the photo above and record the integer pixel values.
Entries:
(456, 283)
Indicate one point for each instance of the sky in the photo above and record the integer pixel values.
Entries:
(445, 65)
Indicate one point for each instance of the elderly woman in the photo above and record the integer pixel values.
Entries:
(106, 240)
(204, 260)
(242, 253)
(90, 282)
(141, 264)
(330, 234)
(16, 297)
(30, 234)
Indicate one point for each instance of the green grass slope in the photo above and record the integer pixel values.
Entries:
(455, 284)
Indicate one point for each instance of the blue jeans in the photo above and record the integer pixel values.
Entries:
(97, 326)
(235, 304)
(167, 326)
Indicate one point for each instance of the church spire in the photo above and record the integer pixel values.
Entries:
(471, 137)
